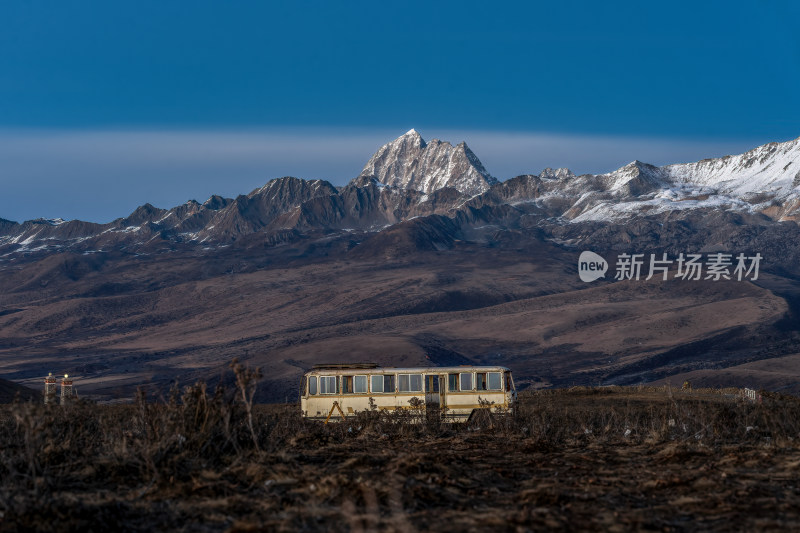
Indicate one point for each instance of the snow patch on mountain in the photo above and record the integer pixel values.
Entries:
(557, 174)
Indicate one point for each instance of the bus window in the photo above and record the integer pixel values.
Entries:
(495, 381)
(377, 383)
(360, 384)
(480, 381)
(347, 384)
(410, 383)
(452, 382)
(466, 381)
(388, 384)
(327, 385)
(312, 384)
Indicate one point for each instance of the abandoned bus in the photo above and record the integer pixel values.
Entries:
(335, 392)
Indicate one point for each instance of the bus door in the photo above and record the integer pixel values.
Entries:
(432, 391)
(442, 391)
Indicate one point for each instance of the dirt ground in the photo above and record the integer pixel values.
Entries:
(612, 459)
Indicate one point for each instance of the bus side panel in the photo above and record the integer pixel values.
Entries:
(460, 405)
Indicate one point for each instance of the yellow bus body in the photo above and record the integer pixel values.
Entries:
(337, 392)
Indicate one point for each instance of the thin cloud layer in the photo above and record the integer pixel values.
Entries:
(102, 175)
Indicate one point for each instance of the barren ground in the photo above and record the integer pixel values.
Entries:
(612, 459)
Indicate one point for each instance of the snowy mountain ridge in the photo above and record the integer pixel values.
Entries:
(410, 179)
(763, 180)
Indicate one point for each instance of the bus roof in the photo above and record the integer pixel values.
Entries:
(337, 366)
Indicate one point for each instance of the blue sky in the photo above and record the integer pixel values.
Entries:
(107, 105)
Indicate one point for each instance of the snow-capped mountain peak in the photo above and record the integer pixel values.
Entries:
(409, 162)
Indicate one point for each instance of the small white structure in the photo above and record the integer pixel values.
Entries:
(50, 388)
(336, 392)
(752, 395)
(67, 391)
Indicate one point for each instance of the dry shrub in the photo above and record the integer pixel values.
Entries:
(217, 445)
